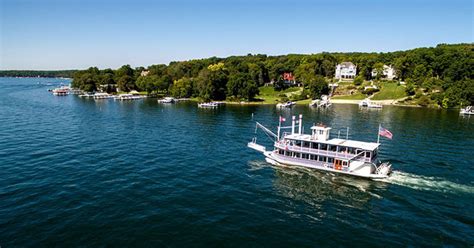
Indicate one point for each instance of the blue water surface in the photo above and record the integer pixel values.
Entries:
(79, 172)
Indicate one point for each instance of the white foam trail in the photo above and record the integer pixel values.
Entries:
(257, 165)
(427, 183)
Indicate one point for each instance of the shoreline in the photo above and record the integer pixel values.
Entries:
(391, 102)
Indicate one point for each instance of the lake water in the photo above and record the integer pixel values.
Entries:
(78, 172)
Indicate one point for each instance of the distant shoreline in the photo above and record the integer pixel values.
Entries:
(35, 77)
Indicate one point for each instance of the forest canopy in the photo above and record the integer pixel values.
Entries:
(445, 71)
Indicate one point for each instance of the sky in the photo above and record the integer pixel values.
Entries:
(75, 34)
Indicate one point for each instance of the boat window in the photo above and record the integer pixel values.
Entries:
(330, 160)
(321, 158)
(305, 156)
(367, 154)
(313, 157)
(332, 148)
(280, 151)
(296, 155)
(324, 147)
(341, 149)
(298, 143)
(344, 163)
(305, 144)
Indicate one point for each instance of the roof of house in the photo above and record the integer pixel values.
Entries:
(347, 64)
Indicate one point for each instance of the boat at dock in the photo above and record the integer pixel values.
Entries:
(319, 151)
(87, 95)
(288, 104)
(369, 104)
(167, 100)
(468, 110)
(208, 105)
(61, 91)
(73, 91)
(128, 97)
(101, 96)
(324, 102)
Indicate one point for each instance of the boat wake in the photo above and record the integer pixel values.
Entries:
(427, 183)
(258, 165)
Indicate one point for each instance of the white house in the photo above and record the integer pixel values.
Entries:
(346, 70)
(388, 72)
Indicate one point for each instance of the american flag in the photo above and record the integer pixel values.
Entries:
(385, 133)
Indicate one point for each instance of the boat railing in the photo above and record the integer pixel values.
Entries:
(346, 155)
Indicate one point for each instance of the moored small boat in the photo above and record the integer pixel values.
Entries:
(468, 110)
(369, 104)
(288, 104)
(324, 102)
(87, 95)
(167, 100)
(128, 97)
(100, 96)
(208, 105)
(60, 92)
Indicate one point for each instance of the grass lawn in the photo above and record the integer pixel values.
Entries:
(304, 102)
(356, 96)
(389, 91)
(268, 95)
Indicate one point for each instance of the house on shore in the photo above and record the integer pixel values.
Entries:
(144, 73)
(289, 79)
(346, 71)
(388, 73)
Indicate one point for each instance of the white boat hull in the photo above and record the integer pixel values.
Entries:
(274, 160)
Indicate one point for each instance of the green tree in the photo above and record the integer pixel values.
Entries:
(148, 83)
(305, 72)
(125, 70)
(328, 68)
(410, 88)
(212, 82)
(318, 86)
(358, 80)
(378, 67)
(125, 83)
(182, 88)
(419, 74)
(423, 101)
(241, 85)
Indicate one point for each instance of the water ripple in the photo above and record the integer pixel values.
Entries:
(76, 172)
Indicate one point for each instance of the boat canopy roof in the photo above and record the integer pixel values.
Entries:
(370, 146)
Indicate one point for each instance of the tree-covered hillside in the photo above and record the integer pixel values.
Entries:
(443, 74)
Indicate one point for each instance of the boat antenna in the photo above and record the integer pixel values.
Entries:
(378, 135)
(347, 133)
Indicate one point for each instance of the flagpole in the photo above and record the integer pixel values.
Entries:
(279, 125)
(378, 135)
